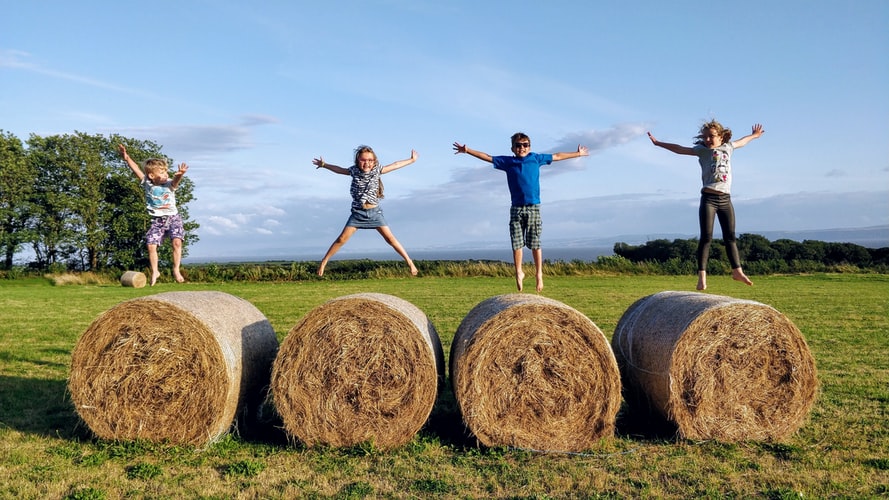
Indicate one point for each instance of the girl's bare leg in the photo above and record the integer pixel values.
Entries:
(538, 267)
(338, 243)
(152, 261)
(738, 275)
(519, 274)
(391, 240)
(702, 280)
(177, 259)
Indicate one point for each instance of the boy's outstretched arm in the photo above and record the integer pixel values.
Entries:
(177, 177)
(461, 148)
(400, 163)
(581, 151)
(676, 148)
(755, 133)
(133, 165)
(320, 163)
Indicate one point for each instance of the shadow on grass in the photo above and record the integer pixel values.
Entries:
(40, 407)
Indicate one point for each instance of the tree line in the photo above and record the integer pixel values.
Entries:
(75, 204)
(759, 255)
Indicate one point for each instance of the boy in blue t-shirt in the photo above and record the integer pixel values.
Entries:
(523, 178)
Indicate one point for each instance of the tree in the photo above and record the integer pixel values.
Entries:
(755, 247)
(16, 183)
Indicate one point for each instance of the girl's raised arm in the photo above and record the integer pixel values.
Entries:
(676, 148)
(320, 163)
(400, 163)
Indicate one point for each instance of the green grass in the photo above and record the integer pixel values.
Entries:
(842, 451)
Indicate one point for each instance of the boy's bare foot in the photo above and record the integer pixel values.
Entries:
(154, 276)
(738, 275)
(414, 270)
(321, 268)
(539, 282)
(179, 277)
(702, 281)
(519, 277)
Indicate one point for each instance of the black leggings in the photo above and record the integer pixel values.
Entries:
(719, 205)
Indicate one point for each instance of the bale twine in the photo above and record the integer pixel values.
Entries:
(173, 367)
(133, 279)
(717, 367)
(530, 372)
(358, 368)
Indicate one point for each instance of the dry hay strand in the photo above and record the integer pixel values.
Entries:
(717, 367)
(533, 373)
(172, 367)
(133, 279)
(359, 368)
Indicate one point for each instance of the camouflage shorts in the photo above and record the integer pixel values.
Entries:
(165, 225)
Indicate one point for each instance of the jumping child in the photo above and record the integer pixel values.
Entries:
(366, 190)
(714, 147)
(523, 178)
(160, 200)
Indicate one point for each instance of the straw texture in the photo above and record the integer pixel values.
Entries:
(719, 368)
(173, 367)
(532, 372)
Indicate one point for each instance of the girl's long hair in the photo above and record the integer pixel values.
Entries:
(726, 133)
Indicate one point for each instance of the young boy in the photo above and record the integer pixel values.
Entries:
(160, 200)
(523, 178)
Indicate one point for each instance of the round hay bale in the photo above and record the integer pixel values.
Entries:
(358, 368)
(531, 372)
(717, 367)
(174, 367)
(133, 279)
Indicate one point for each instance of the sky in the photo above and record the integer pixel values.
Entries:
(248, 93)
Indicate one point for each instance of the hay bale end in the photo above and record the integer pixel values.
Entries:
(358, 368)
(717, 367)
(531, 372)
(174, 367)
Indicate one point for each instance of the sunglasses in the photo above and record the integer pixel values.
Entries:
(521, 145)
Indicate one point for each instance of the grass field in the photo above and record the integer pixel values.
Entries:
(841, 452)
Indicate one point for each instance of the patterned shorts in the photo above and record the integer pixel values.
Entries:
(165, 225)
(525, 226)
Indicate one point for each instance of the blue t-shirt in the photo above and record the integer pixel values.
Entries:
(523, 176)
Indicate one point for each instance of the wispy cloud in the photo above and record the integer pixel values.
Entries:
(21, 61)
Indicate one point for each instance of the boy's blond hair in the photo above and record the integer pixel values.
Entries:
(154, 165)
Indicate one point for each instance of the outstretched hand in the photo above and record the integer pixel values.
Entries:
(414, 155)
(653, 140)
(583, 151)
(318, 162)
(757, 130)
(459, 148)
(122, 150)
(182, 168)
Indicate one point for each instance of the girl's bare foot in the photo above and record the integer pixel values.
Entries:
(539, 282)
(702, 280)
(738, 275)
(179, 277)
(519, 277)
(154, 276)
(414, 270)
(321, 268)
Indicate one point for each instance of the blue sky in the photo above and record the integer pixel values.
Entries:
(249, 92)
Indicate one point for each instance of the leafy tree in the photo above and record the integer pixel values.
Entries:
(16, 183)
(53, 227)
(755, 248)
